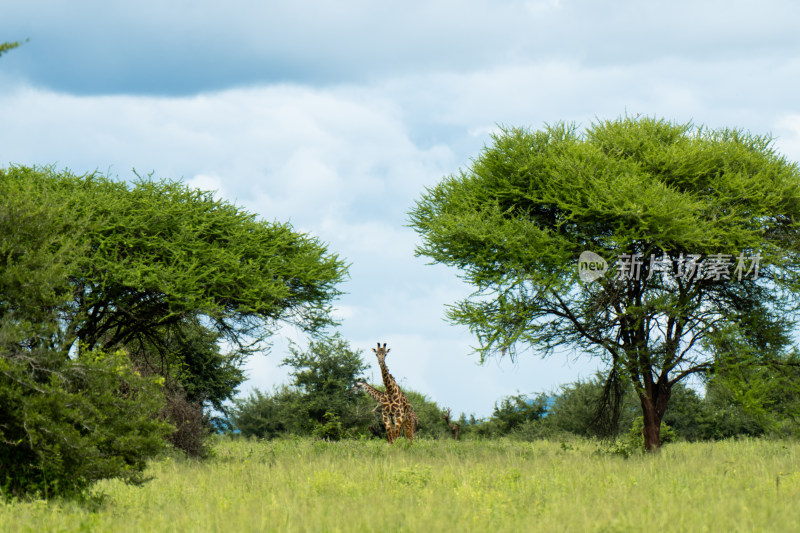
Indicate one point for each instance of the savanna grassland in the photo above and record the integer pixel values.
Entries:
(502, 485)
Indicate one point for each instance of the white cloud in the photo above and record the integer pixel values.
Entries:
(206, 182)
(787, 132)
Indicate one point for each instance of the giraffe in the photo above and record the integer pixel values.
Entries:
(384, 402)
(378, 396)
(398, 411)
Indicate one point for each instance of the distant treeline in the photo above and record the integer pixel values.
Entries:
(321, 402)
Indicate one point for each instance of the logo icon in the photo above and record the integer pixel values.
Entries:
(591, 266)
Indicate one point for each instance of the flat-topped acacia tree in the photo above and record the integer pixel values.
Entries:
(101, 279)
(161, 257)
(699, 227)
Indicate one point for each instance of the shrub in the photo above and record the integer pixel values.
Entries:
(330, 429)
(633, 442)
(187, 418)
(67, 423)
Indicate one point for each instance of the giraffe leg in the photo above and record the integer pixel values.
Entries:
(387, 422)
(398, 426)
(410, 430)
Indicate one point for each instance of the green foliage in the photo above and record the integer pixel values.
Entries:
(718, 414)
(166, 254)
(328, 368)
(330, 429)
(726, 417)
(323, 377)
(5, 47)
(429, 413)
(41, 247)
(575, 409)
(101, 281)
(514, 411)
(517, 219)
(163, 271)
(68, 423)
(510, 415)
(633, 442)
(690, 415)
(266, 415)
(65, 422)
(755, 386)
(187, 354)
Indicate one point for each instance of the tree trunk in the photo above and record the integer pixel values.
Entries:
(652, 426)
(654, 401)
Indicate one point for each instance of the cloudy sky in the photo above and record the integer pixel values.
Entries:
(336, 116)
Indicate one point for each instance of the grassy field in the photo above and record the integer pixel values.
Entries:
(303, 485)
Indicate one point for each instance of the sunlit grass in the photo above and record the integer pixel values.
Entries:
(302, 485)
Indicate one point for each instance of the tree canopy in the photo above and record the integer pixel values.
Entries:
(104, 284)
(158, 253)
(700, 227)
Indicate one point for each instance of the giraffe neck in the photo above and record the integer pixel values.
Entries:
(388, 380)
(372, 391)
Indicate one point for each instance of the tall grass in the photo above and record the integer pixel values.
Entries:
(304, 485)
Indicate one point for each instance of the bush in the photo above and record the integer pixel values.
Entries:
(267, 416)
(68, 423)
(330, 429)
(632, 443)
(509, 415)
(688, 414)
(187, 418)
(575, 409)
(67, 417)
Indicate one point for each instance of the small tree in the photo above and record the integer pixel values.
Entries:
(750, 392)
(325, 375)
(267, 416)
(320, 399)
(514, 411)
(700, 227)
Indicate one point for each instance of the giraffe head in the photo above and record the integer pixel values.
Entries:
(360, 384)
(381, 352)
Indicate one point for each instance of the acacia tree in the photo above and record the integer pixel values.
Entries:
(161, 257)
(165, 252)
(168, 273)
(700, 227)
